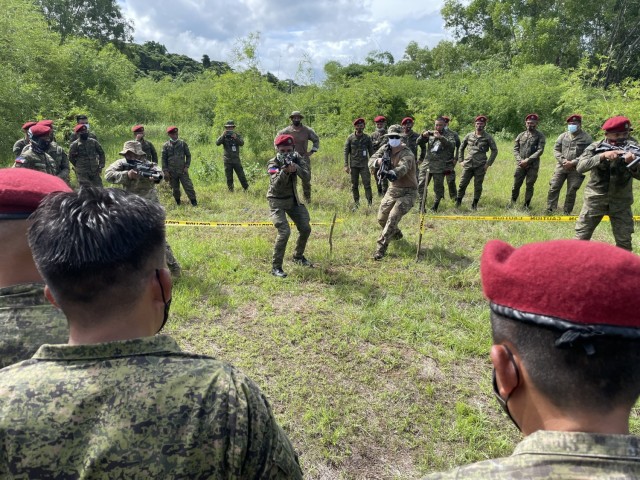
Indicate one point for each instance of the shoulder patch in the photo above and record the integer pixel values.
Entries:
(21, 160)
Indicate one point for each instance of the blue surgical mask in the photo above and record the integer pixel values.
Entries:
(394, 142)
(572, 128)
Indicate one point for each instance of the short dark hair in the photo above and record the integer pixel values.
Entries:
(569, 377)
(97, 243)
(441, 119)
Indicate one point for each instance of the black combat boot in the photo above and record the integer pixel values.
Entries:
(458, 202)
(194, 202)
(527, 205)
(434, 209)
(474, 204)
(177, 200)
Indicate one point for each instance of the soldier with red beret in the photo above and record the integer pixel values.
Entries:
(450, 166)
(410, 139)
(566, 349)
(357, 150)
(527, 150)
(87, 157)
(24, 141)
(34, 155)
(378, 140)
(82, 119)
(176, 160)
(284, 170)
(147, 146)
(609, 190)
(567, 149)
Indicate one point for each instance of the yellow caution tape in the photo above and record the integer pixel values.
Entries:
(195, 223)
(550, 218)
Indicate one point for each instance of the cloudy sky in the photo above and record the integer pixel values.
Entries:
(320, 30)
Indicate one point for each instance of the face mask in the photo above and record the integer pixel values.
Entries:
(618, 143)
(173, 140)
(296, 123)
(167, 305)
(572, 128)
(395, 142)
(40, 145)
(286, 157)
(84, 136)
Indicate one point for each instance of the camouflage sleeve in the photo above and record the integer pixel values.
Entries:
(516, 148)
(187, 154)
(589, 159)
(370, 146)
(165, 157)
(404, 163)
(542, 141)
(63, 167)
(220, 140)
(375, 157)
(303, 168)
(347, 151)
(557, 149)
(494, 151)
(17, 148)
(239, 139)
(73, 153)
(116, 174)
(463, 147)
(314, 139)
(101, 156)
(154, 154)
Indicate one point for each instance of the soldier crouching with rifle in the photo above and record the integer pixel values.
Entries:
(397, 164)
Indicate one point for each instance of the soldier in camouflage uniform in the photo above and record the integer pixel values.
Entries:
(27, 319)
(527, 149)
(403, 187)
(87, 157)
(120, 401)
(440, 146)
(568, 148)
(120, 172)
(357, 150)
(302, 135)
(410, 139)
(450, 165)
(475, 163)
(147, 146)
(231, 142)
(609, 190)
(378, 140)
(24, 141)
(34, 155)
(284, 170)
(58, 154)
(176, 160)
(566, 348)
(82, 119)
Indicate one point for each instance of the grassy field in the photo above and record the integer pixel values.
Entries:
(377, 370)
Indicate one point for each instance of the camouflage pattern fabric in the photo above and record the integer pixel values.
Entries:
(527, 146)
(378, 140)
(608, 192)
(61, 159)
(74, 136)
(36, 161)
(302, 135)
(411, 141)
(565, 455)
(88, 159)
(473, 158)
(450, 166)
(137, 409)
(176, 158)
(18, 146)
(357, 150)
(27, 320)
(439, 152)
(231, 159)
(150, 150)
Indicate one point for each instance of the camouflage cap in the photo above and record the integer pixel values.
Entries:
(394, 130)
(296, 113)
(132, 146)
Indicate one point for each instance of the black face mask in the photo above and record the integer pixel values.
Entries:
(84, 136)
(504, 402)
(167, 305)
(296, 123)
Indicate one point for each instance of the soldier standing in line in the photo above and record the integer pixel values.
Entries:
(23, 142)
(231, 142)
(439, 145)
(403, 187)
(34, 155)
(58, 154)
(475, 163)
(357, 150)
(410, 139)
(610, 189)
(147, 146)
(176, 160)
(568, 148)
(527, 149)
(302, 135)
(87, 157)
(378, 139)
(450, 165)
(82, 119)
(27, 319)
(284, 170)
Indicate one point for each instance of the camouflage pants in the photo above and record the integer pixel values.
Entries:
(477, 173)
(450, 175)
(229, 168)
(423, 183)
(300, 216)
(531, 175)
(182, 177)
(306, 184)
(621, 224)
(172, 262)
(363, 173)
(89, 178)
(574, 181)
(395, 205)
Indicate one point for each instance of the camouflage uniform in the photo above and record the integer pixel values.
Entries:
(378, 140)
(19, 146)
(567, 147)
(399, 198)
(87, 158)
(608, 192)
(137, 409)
(302, 135)
(411, 141)
(27, 320)
(554, 454)
(61, 159)
(150, 150)
(439, 152)
(231, 159)
(176, 159)
(474, 163)
(528, 146)
(42, 162)
(357, 150)
(283, 200)
(450, 165)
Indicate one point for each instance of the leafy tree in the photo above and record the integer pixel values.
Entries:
(206, 61)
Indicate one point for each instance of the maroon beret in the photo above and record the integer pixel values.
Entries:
(575, 281)
(359, 120)
(532, 116)
(406, 120)
(172, 129)
(28, 125)
(79, 127)
(22, 189)
(380, 118)
(481, 118)
(48, 123)
(137, 128)
(285, 140)
(574, 118)
(446, 119)
(617, 124)
(40, 130)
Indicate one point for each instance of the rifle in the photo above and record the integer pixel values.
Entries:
(634, 149)
(145, 169)
(385, 165)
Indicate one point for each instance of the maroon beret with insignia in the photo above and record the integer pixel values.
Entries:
(446, 119)
(79, 127)
(481, 118)
(40, 130)
(532, 116)
(28, 125)
(380, 118)
(406, 120)
(22, 189)
(137, 128)
(172, 129)
(574, 118)
(358, 120)
(285, 140)
(617, 124)
(48, 123)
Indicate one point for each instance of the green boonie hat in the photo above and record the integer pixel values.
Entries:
(230, 123)
(395, 130)
(132, 146)
(296, 114)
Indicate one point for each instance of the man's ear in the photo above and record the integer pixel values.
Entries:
(165, 285)
(507, 375)
(49, 296)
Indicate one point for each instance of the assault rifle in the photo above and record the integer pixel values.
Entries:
(634, 149)
(385, 166)
(145, 169)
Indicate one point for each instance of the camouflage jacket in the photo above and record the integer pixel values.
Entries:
(145, 187)
(404, 165)
(137, 409)
(27, 320)
(357, 150)
(566, 455)
(283, 185)
(476, 147)
(62, 160)
(36, 161)
(609, 187)
(529, 146)
(175, 155)
(150, 150)
(439, 150)
(18, 146)
(74, 136)
(378, 139)
(411, 141)
(570, 147)
(302, 135)
(231, 147)
(456, 138)
(86, 155)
